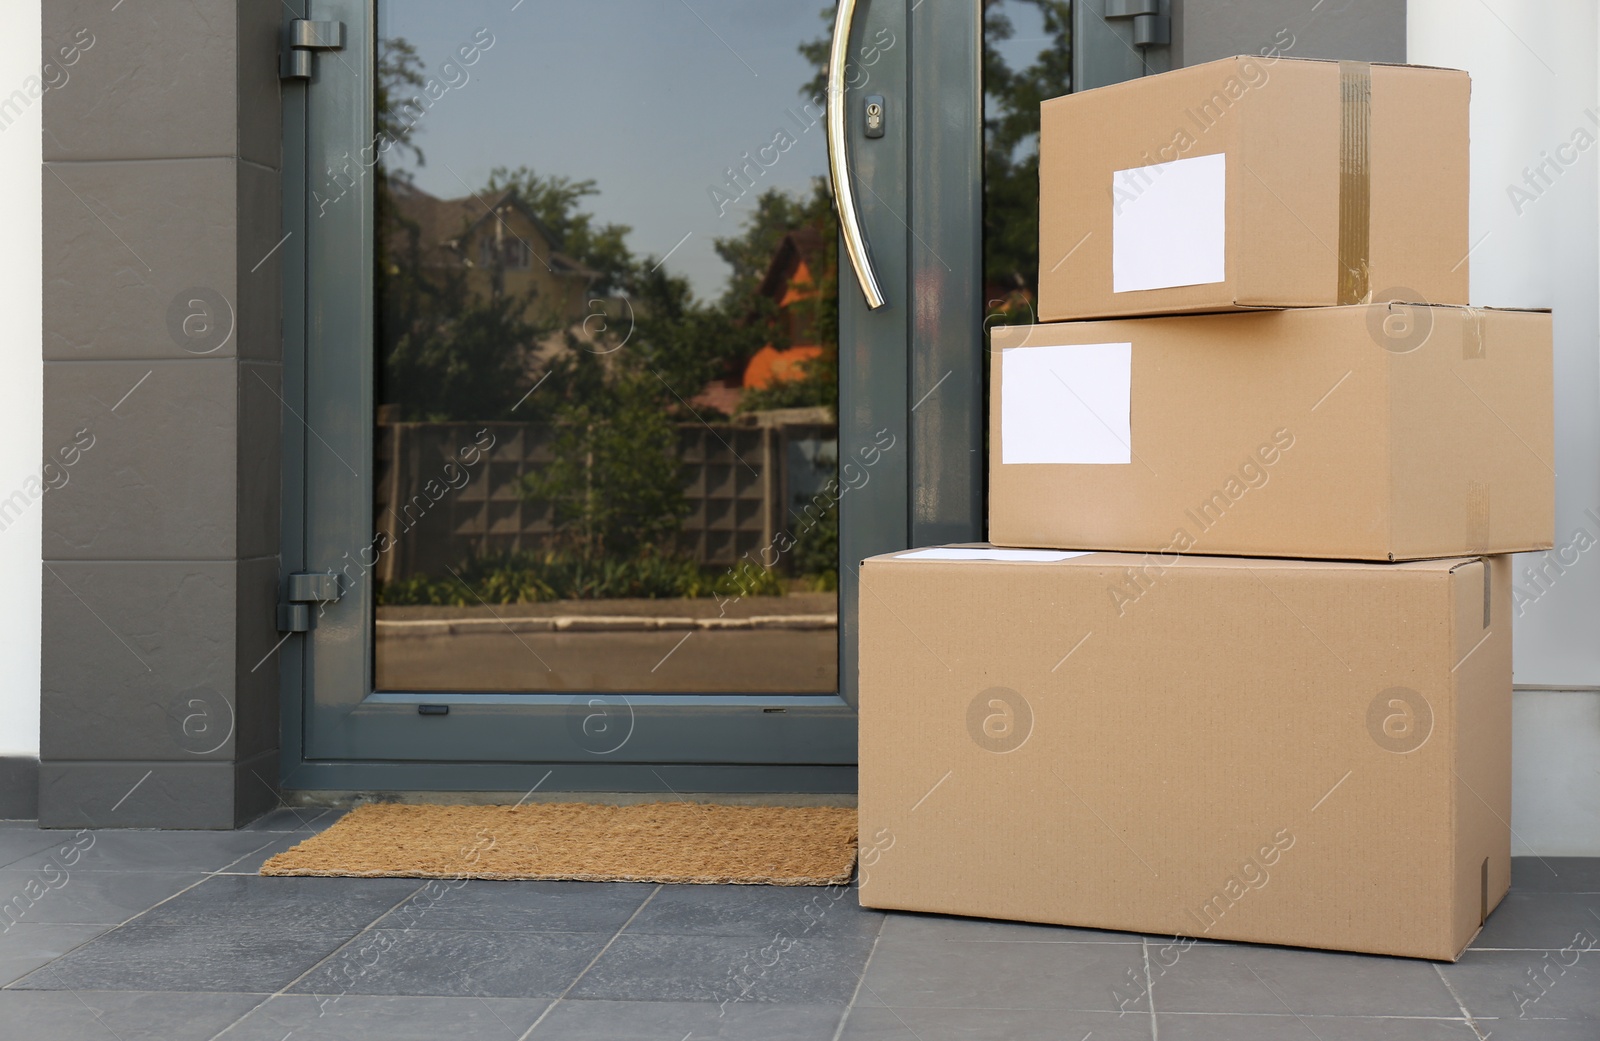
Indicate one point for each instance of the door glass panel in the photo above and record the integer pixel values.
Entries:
(606, 352)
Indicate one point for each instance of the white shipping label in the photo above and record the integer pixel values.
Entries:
(1067, 404)
(1169, 224)
(1033, 556)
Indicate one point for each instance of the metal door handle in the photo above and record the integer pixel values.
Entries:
(844, 194)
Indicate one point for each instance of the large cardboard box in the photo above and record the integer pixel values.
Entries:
(1254, 182)
(1306, 753)
(1382, 432)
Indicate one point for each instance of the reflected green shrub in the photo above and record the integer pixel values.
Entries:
(536, 577)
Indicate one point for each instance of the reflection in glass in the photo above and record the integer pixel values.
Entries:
(1026, 60)
(607, 361)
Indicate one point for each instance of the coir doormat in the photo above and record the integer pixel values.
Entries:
(654, 842)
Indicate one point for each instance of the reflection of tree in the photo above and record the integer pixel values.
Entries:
(449, 354)
(614, 481)
(1011, 154)
(399, 68)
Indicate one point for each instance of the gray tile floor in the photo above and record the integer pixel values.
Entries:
(171, 936)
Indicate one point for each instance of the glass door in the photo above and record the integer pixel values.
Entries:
(585, 418)
(605, 351)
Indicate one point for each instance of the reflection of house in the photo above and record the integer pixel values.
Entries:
(789, 283)
(770, 365)
(499, 242)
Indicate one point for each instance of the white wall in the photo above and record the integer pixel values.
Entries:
(1536, 97)
(21, 384)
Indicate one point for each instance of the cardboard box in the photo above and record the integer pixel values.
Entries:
(1383, 432)
(1254, 182)
(1307, 753)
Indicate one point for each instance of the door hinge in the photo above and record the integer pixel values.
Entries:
(301, 590)
(1151, 28)
(304, 37)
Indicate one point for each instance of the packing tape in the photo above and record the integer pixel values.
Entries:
(1488, 593)
(1474, 343)
(1483, 892)
(1355, 181)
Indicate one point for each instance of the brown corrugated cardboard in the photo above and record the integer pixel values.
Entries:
(1380, 432)
(1305, 753)
(1242, 183)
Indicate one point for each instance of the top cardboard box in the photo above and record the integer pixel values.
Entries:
(1254, 182)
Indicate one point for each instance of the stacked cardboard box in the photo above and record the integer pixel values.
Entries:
(1240, 667)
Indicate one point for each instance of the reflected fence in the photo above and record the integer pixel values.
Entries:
(741, 480)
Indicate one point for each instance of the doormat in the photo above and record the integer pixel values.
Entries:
(654, 842)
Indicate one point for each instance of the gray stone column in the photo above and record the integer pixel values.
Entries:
(162, 350)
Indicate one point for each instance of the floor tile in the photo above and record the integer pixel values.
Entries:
(669, 1021)
(1278, 980)
(273, 843)
(25, 947)
(291, 819)
(303, 1017)
(756, 911)
(150, 851)
(19, 842)
(1541, 921)
(246, 902)
(570, 907)
(88, 898)
(1000, 974)
(990, 1024)
(1537, 1030)
(724, 970)
(1517, 985)
(188, 958)
(1555, 874)
(90, 1016)
(727, 962)
(1289, 1028)
(456, 963)
(933, 928)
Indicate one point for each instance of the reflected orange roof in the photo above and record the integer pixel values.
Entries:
(770, 365)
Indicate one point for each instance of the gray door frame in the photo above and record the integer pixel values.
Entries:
(910, 373)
